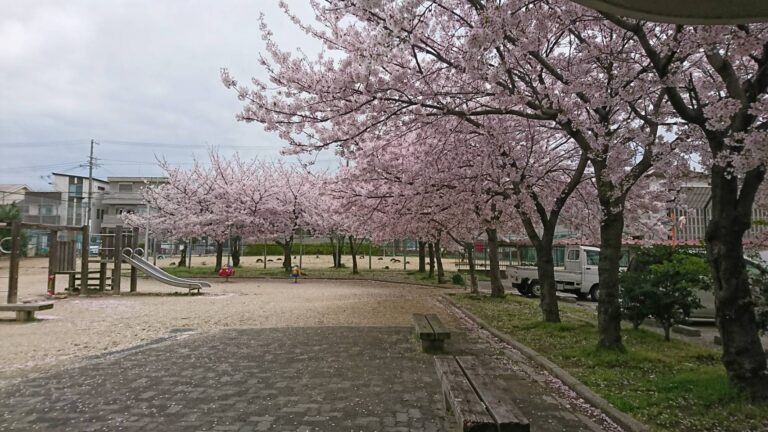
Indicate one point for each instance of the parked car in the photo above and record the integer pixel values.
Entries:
(707, 298)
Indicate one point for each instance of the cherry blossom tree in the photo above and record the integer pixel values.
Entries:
(185, 206)
(716, 79)
(403, 64)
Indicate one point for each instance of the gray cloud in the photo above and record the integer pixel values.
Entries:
(124, 72)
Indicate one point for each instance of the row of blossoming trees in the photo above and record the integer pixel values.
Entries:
(467, 117)
(231, 199)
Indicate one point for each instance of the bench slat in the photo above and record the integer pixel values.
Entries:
(506, 414)
(467, 407)
(423, 328)
(26, 306)
(441, 333)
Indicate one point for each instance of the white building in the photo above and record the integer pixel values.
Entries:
(125, 195)
(74, 197)
(12, 193)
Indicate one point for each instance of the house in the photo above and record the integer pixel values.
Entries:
(12, 193)
(41, 208)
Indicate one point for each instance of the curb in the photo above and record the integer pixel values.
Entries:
(444, 286)
(624, 420)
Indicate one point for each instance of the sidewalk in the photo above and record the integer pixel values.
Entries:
(281, 379)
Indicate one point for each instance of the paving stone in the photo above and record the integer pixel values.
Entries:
(314, 379)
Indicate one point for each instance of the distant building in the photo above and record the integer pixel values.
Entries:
(689, 219)
(74, 197)
(125, 195)
(41, 208)
(12, 193)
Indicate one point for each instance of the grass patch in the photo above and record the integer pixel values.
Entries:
(671, 386)
(329, 273)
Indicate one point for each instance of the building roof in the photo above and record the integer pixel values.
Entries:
(78, 176)
(697, 197)
(138, 179)
(12, 187)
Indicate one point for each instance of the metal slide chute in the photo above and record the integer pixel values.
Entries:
(158, 274)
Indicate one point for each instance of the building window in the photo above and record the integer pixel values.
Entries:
(46, 210)
(124, 187)
(76, 190)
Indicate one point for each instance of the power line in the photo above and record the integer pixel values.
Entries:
(55, 143)
(183, 146)
(49, 166)
(22, 144)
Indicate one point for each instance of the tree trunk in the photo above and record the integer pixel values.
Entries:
(333, 253)
(666, 328)
(219, 255)
(608, 306)
(497, 289)
(422, 257)
(546, 271)
(337, 245)
(439, 260)
(287, 245)
(236, 247)
(431, 248)
(183, 260)
(340, 242)
(353, 250)
(743, 355)
(469, 248)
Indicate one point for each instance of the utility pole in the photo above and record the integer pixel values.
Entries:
(90, 191)
(146, 231)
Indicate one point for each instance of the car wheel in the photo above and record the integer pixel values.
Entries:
(535, 289)
(594, 293)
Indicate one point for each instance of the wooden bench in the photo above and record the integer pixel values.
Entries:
(25, 311)
(431, 331)
(475, 398)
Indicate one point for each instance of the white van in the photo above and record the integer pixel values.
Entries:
(577, 274)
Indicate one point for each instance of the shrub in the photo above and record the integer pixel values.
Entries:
(325, 248)
(663, 285)
(759, 283)
(458, 279)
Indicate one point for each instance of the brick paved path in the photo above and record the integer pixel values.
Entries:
(281, 379)
(290, 379)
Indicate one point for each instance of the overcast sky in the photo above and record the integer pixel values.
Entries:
(141, 77)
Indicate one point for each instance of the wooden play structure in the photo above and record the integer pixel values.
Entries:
(62, 258)
(115, 247)
(112, 244)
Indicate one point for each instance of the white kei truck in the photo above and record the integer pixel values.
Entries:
(576, 275)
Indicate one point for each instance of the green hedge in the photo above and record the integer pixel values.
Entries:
(309, 249)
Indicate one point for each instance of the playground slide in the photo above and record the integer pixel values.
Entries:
(158, 274)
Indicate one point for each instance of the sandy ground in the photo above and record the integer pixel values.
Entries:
(78, 327)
